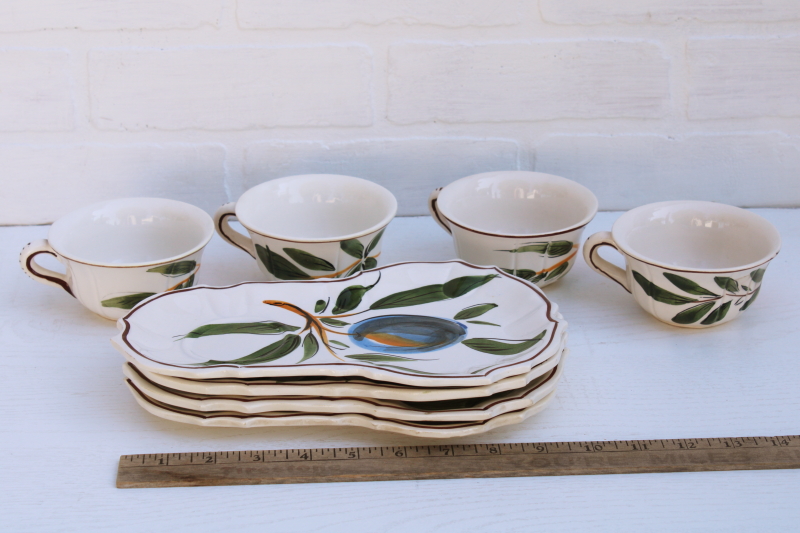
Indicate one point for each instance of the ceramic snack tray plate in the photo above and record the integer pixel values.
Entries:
(448, 324)
(415, 429)
(471, 409)
(345, 387)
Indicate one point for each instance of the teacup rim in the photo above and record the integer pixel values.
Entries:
(530, 173)
(207, 222)
(623, 247)
(372, 229)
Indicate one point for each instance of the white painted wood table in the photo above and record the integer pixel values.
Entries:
(67, 417)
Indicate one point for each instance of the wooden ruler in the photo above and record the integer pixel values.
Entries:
(443, 461)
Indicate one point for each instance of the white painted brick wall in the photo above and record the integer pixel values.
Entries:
(316, 14)
(507, 82)
(36, 91)
(725, 74)
(198, 100)
(667, 11)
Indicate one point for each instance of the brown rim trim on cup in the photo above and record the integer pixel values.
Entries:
(535, 236)
(60, 282)
(524, 283)
(547, 376)
(248, 228)
(145, 265)
(429, 425)
(676, 269)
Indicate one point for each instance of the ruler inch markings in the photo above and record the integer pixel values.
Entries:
(454, 461)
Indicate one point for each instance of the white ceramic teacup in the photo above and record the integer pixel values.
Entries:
(120, 252)
(527, 223)
(688, 263)
(311, 226)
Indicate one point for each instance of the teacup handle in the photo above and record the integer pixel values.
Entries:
(600, 265)
(432, 199)
(227, 232)
(38, 272)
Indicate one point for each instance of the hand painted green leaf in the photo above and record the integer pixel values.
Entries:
(750, 300)
(250, 328)
(187, 283)
(693, 314)
(502, 347)
(474, 311)
(717, 314)
(310, 347)
(757, 275)
(382, 357)
(126, 302)
(558, 271)
(726, 283)
(536, 247)
(321, 305)
(279, 266)
(745, 288)
(351, 297)
(687, 285)
(173, 270)
(374, 242)
(333, 322)
(659, 294)
(461, 286)
(418, 296)
(309, 261)
(337, 343)
(352, 247)
(370, 263)
(559, 248)
(274, 351)
(355, 270)
(482, 323)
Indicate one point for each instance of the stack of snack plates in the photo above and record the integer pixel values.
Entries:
(426, 349)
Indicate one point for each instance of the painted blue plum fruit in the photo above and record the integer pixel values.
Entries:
(406, 334)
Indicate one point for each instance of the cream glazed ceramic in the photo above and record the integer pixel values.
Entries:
(443, 411)
(689, 263)
(120, 252)
(312, 226)
(277, 419)
(527, 223)
(421, 324)
(346, 387)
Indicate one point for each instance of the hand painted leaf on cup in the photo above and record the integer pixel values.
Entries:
(474, 311)
(273, 352)
(279, 266)
(321, 305)
(251, 328)
(374, 242)
(369, 263)
(717, 314)
(351, 297)
(382, 357)
(503, 346)
(687, 285)
(726, 283)
(693, 314)
(536, 247)
(127, 302)
(558, 271)
(333, 322)
(659, 294)
(757, 275)
(550, 249)
(527, 275)
(559, 248)
(309, 261)
(352, 247)
(310, 347)
(750, 300)
(186, 284)
(460, 286)
(173, 270)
